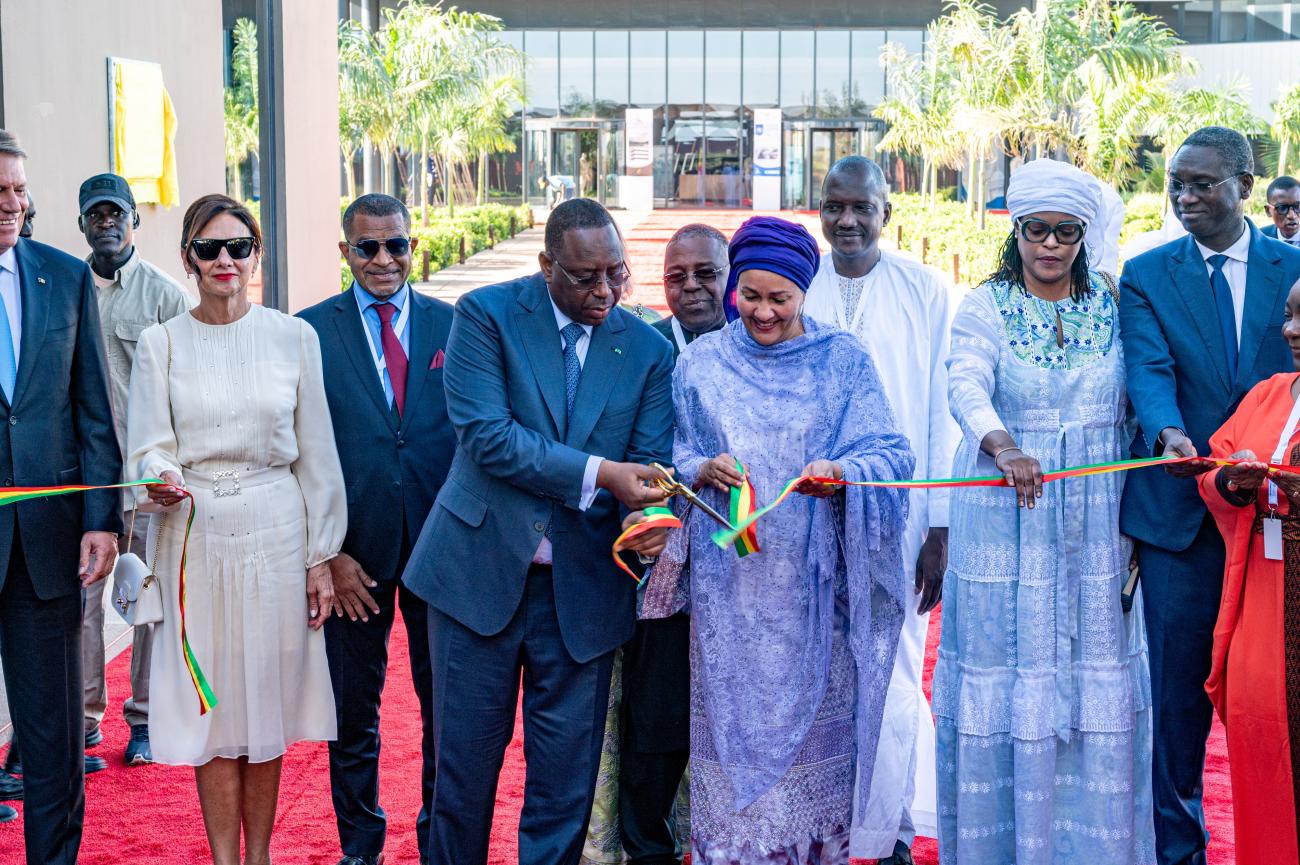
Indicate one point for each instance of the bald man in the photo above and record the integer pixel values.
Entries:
(900, 310)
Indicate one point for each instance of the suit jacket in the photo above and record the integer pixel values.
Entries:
(1177, 372)
(60, 424)
(520, 461)
(1269, 231)
(390, 468)
(665, 327)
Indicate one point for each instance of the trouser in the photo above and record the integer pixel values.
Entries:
(40, 647)
(655, 743)
(1180, 595)
(136, 707)
(475, 696)
(358, 659)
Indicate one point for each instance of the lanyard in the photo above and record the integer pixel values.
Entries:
(679, 335)
(1283, 440)
(377, 351)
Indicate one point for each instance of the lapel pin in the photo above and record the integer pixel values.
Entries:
(40, 280)
(617, 350)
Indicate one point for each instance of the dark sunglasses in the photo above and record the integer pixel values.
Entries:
(396, 246)
(1284, 209)
(1036, 231)
(209, 248)
(677, 279)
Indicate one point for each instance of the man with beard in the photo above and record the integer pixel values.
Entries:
(133, 294)
(900, 310)
(1199, 319)
(559, 400)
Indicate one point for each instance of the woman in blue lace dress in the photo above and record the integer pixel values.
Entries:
(792, 646)
(1041, 693)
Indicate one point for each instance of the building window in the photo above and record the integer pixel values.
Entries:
(576, 71)
(798, 84)
(686, 67)
(761, 69)
(543, 72)
(648, 68)
(835, 96)
(611, 73)
(868, 75)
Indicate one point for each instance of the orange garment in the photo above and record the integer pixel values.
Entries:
(1255, 674)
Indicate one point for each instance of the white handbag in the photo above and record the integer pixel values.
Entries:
(137, 594)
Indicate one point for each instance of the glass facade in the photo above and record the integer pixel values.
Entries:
(1208, 21)
(702, 87)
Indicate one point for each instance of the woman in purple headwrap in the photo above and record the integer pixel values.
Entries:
(791, 647)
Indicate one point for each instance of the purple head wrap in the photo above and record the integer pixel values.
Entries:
(771, 244)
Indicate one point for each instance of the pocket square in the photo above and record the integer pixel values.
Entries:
(438, 357)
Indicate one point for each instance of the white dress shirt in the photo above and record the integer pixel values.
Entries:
(543, 554)
(1235, 271)
(9, 290)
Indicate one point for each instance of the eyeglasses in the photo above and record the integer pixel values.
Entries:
(677, 279)
(209, 248)
(1199, 187)
(1284, 209)
(592, 281)
(1036, 231)
(396, 246)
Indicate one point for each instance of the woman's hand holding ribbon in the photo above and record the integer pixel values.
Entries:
(169, 493)
(1022, 472)
(720, 473)
(819, 469)
(1247, 475)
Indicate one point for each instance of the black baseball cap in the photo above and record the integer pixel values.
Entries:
(106, 187)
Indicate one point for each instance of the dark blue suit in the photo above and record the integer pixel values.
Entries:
(59, 431)
(518, 468)
(1178, 377)
(393, 469)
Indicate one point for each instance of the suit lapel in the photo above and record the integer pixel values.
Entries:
(600, 374)
(420, 339)
(541, 339)
(1191, 283)
(1264, 294)
(347, 317)
(35, 314)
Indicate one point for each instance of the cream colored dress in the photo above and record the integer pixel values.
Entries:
(242, 416)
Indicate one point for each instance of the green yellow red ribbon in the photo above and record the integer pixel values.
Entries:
(13, 495)
(741, 507)
(655, 518)
(744, 522)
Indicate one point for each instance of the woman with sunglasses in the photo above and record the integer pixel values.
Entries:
(1041, 691)
(228, 403)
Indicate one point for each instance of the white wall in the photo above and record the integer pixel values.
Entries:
(1267, 67)
(56, 101)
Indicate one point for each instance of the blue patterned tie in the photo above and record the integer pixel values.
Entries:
(571, 332)
(8, 368)
(1227, 314)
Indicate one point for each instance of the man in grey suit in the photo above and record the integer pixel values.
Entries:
(558, 398)
(54, 390)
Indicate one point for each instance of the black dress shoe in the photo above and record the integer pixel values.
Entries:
(94, 737)
(7, 814)
(95, 764)
(11, 788)
(902, 855)
(362, 860)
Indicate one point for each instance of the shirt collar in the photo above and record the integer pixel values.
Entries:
(365, 299)
(1239, 251)
(9, 260)
(128, 268)
(562, 320)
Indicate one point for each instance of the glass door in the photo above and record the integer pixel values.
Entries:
(795, 192)
(828, 146)
(611, 163)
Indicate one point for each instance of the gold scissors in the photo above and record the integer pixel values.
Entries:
(673, 487)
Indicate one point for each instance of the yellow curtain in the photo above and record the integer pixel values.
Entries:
(144, 133)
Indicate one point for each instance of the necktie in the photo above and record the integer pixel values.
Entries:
(394, 357)
(572, 332)
(8, 368)
(1227, 314)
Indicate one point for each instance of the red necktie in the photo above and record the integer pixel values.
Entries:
(394, 357)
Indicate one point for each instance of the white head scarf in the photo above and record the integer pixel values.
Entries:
(1050, 185)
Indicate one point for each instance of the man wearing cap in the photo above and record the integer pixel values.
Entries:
(133, 294)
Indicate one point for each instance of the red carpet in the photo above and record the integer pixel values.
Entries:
(147, 815)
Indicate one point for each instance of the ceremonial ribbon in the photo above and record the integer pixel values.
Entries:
(741, 506)
(655, 518)
(744, 522)
(13, 495)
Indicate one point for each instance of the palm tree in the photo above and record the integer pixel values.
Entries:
(1188, 110)
(1286, 128)
(240, 104)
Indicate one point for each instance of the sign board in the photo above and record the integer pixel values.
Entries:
(640, 142)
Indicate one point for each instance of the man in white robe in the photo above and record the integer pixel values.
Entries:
(901, 310)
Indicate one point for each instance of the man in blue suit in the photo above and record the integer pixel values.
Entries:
(1284, 209)
(1199, 318)
(383, 346)
(54, 392)
(559, 398)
